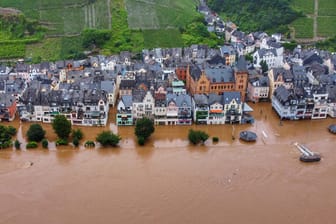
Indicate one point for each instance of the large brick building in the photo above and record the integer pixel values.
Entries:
(218, 79)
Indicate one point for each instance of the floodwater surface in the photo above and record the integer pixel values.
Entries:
(170, 181)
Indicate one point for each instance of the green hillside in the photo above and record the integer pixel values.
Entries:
(131, 24)
(319, 20)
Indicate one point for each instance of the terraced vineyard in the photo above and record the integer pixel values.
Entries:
(319, 21)
(159, 14)
(134, 23)
(65, 17)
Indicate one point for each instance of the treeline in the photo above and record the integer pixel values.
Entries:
(194, 33)
(329, 44)
(18, 26)
(15, 32)
(253, 15)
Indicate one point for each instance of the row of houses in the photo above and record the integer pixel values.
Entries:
(168, 108)
(196, 70)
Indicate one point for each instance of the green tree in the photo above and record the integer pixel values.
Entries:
(11, 130)
(61, 126)
(141, 140)
(45, 143)
(17, 144)
(35, 133)
(264, 66)
(196, 137)
(77, 133)
(95, 38)
(75, 142)
(6, 134)
(107, 138)
(89, 144)
(31, 145)
(144, 127)
(252, 15)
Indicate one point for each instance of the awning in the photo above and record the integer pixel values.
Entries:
(247, 108)
(216, 111)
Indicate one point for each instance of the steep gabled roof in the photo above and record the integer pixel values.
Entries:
(214, 98)
(282, 94)
(138, 95)
(127, 100)
(241, 65)
(183, 100)
(217, 59)
(220, 74)
(201, 99)
(127, 84)
(195, 71)
(229, 96)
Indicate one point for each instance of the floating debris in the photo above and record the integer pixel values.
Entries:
(307, 155)
(332, 128)
(248, 136)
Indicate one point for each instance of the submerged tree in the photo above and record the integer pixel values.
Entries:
(196, 137)
(108, 138)
(35, 133)
(61, 126)
(144, 127)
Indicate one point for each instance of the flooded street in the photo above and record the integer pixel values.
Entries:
(170, 181)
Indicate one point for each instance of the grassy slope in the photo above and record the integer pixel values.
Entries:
(159, 14)
(306, 6)
(159, 20)
(325, 20)
(149, 23)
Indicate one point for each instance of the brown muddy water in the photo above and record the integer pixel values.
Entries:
(170, 181)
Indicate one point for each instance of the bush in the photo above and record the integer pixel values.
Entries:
(45, 143)
(32, 145)
(89, 144)
(95, 38)
(35, 133)
(11, 130)
(75, 142)
(196, 137)
(6, 134)
(77, 133)
(215, 139)
(17, 144)
(107, 138)
(61, 142)
(141, 140)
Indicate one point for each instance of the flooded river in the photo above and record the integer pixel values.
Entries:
(170, 181)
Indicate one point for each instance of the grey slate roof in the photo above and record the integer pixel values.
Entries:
(127, 100)
(227, 49)
(138, 95)
(241, 64)
(183, 100)
(215, 60)
(200, 99)
(331, 89)
(171, 97)
(277, 72)
(221, 74)
(229, 96)
(127, 84)
(195, 71)
(107, 86)
(6, 100)
(282, 94)
(214, 98)
(263, 52)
